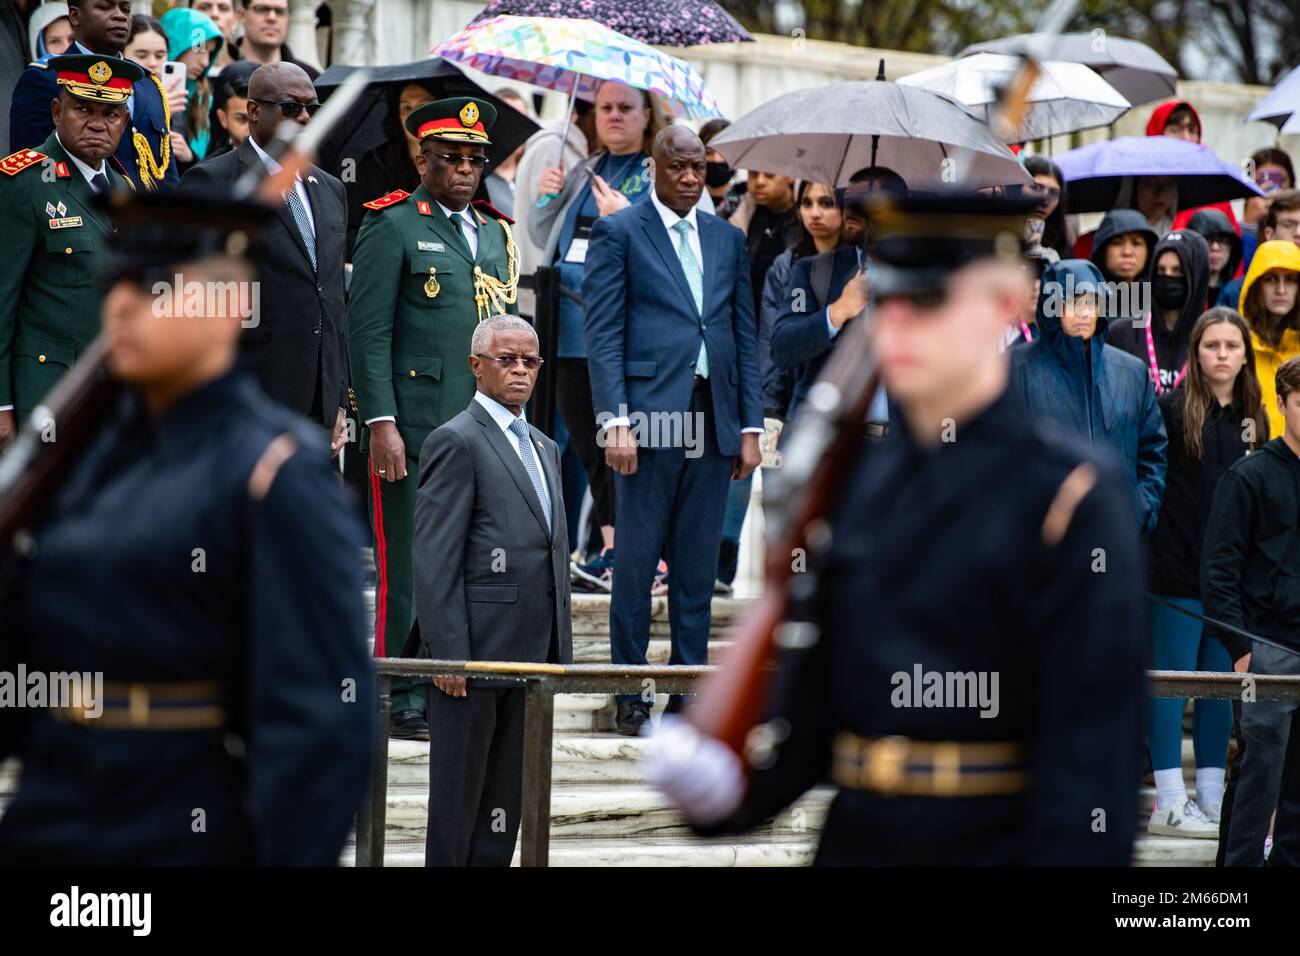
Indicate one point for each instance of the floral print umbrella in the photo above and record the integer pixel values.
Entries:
(575, 57)
(656, 22)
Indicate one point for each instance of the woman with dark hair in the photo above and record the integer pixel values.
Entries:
(1212, 419)
(1051, 185)
(1273, 172)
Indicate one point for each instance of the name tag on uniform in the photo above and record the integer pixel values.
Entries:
(424, 246)
(66, 223)
(581, 237)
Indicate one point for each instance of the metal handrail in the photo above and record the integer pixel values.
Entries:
(543, 681)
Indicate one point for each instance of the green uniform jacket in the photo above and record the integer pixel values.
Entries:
(409, 353)
(49, 301)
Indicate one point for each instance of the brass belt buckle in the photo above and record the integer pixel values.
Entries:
(886, 761)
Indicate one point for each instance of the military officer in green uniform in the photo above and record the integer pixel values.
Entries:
(54, 235)
(428, 267)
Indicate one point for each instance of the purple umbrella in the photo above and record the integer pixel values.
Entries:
(1095, 173)
(657, 22)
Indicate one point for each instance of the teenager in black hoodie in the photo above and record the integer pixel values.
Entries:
(1180, 276)
(1250, 579)
(1225, 248)
(1213, 419)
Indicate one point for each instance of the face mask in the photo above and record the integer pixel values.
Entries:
(717, 174)
(1170, 292)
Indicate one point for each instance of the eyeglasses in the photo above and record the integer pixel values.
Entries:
(455, 159)
(507, 362)
(290, 109)
(266, 10)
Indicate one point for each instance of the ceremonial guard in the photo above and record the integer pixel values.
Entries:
(194, 572)
(100, 30)
(55, 234)
(965, 664)
(428, 267)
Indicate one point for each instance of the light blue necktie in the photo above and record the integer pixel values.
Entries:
(694, 279)
(520, 428)
(304, 224)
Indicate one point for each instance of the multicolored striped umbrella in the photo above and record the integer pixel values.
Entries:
(575, 57)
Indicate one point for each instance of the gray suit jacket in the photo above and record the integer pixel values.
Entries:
(487, 574)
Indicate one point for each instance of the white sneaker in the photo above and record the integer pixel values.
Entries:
(1213, 812)
(1183, 819)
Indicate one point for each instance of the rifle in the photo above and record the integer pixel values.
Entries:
(78, 405)
(823, 443)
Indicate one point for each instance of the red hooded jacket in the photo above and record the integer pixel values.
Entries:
(1156, 127)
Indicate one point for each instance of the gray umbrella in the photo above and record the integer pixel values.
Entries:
(1137, 71)
(828, 133)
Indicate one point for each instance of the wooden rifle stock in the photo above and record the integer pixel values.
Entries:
(51, 439)
(819, 453)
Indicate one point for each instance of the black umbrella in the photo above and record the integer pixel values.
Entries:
(367, 127)
(656, 22)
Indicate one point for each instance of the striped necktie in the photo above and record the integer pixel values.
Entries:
(520, 428)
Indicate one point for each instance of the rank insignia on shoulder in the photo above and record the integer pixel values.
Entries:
(15, 163)
(396, 196)
(491, 210)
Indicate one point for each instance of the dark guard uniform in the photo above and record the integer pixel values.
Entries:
(206, 564)
(975, 691)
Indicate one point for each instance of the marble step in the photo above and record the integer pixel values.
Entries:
(1172, 851)
(604, 812)
(664, 852)
(575, 759)
(591, 623)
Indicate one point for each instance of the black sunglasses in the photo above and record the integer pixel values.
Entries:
(507, 362)
(455, 159)
(290, 109)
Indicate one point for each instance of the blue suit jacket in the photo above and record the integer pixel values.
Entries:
(644, 333)
(801, 335)
(30, 121)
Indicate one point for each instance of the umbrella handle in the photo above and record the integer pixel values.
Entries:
(547, 198)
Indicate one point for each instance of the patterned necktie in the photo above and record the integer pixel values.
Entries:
(694, 279)
(304, 224)
(520, 428)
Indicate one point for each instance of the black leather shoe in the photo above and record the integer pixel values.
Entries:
(677, 703)
(409, 725)
(632, 714)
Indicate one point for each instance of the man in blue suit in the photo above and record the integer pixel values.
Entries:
(99, 27)
(672, 346)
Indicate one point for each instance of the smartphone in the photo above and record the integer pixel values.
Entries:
(591, 176)
(173, 76)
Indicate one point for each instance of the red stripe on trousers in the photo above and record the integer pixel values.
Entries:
(381, 562)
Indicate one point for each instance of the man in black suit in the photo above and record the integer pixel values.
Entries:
(295, 347)
(491, 572)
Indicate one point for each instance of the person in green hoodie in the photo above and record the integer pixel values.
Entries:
(193, 38)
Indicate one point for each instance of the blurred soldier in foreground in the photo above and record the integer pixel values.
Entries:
(973, 679)
(197, 567)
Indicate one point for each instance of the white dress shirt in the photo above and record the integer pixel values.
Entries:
(87, 171)
(299, 187)
(468, 226)
(504, 418)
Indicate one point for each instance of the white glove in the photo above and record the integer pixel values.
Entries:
(697, 772)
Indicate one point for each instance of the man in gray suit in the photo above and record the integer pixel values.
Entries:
(491, 572)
